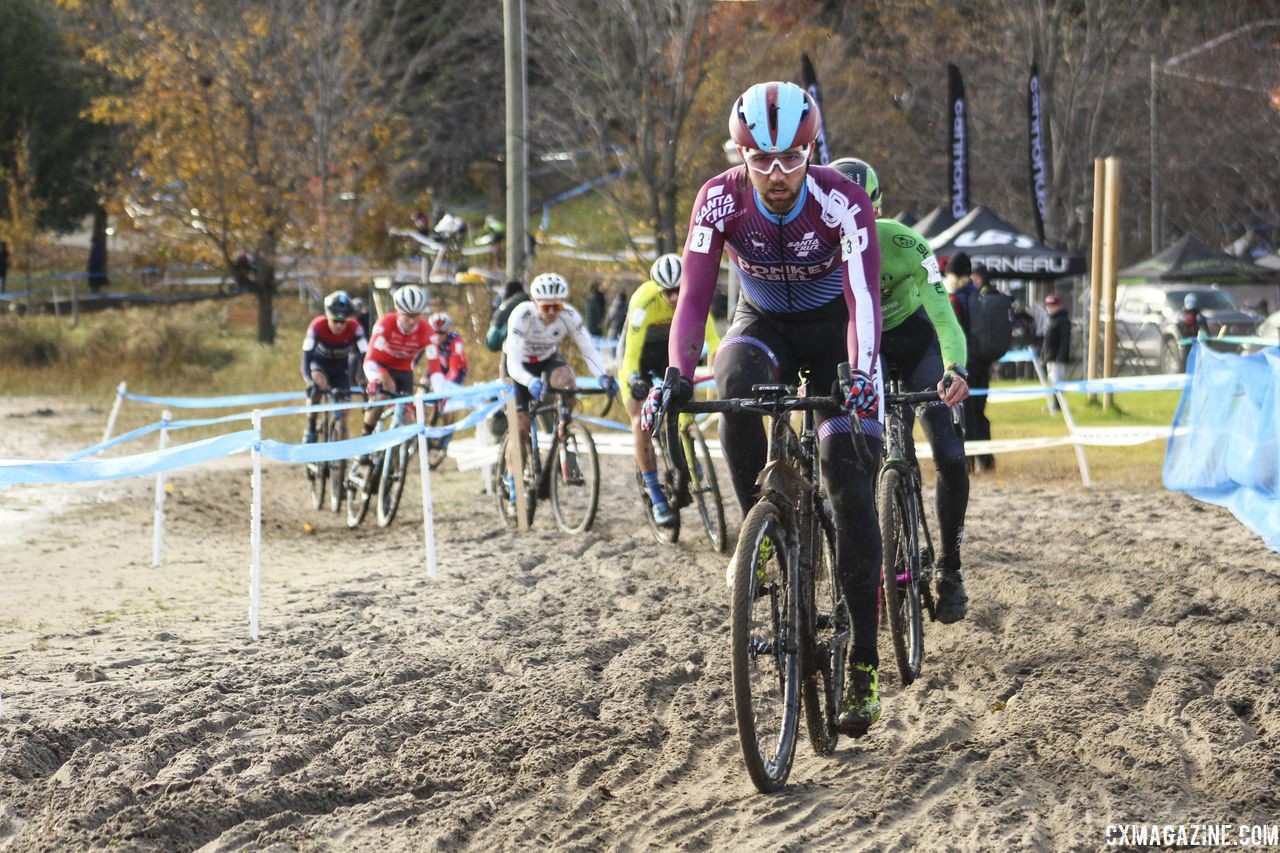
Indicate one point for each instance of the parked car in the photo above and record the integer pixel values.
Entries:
(1269, 329)
(1147, 315)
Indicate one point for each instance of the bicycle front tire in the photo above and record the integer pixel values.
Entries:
(765, 659)
(666, 534)
(575, 479)
(359, 495)
(395, 470)
(337, 467)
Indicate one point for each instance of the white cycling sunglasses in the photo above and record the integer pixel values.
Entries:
(788, 161)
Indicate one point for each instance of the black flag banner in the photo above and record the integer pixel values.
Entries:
(809, 81)
(1036, 141)
(959, 138)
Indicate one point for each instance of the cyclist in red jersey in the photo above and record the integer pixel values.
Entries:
(329, 353)
(398, 341)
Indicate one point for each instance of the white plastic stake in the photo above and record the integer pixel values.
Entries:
(115, 410)
(255, 528)
(1071, 431)
(484, 440)
(428, 519)
(158, 540)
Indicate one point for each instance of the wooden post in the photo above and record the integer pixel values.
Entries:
(1110, 255)
(1095, 274)
(515, 463)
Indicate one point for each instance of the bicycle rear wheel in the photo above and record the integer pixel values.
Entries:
(899, 532)
(766, 663)
(706, 489)
(395, 469)
(337, 467)
(831, 634)
(504, 490)
(361, 482)
(575, 479)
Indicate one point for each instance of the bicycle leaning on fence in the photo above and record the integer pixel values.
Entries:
(683, 483)
(907, 575)
(568, 473)
(790, 627)
(383, 474)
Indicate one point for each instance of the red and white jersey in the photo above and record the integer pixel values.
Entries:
(323, 342)
(392, 348)
(445, 355)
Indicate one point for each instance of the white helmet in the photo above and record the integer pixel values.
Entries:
(665, 271)
(549, 287)
(410, 299)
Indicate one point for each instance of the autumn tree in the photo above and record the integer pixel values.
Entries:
(623, 76)
(249, 129)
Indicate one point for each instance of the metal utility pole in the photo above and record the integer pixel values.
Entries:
(517, 136)
(1155, 173)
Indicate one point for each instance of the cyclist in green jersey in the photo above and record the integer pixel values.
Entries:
(920, 334)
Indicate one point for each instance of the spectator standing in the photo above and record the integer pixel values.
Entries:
(963, 291)
(594, 309)
(1024, 337)
(617, 314)
(512, 296)
(1056, 349)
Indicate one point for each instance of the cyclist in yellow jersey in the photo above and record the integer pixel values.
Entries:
(644, 353)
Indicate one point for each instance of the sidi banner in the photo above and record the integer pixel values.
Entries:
(958, 177)
(809, 81)
(1035, 125)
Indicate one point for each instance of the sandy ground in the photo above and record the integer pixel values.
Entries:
(1121, 663)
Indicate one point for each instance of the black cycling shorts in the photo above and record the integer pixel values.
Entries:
(541, 369)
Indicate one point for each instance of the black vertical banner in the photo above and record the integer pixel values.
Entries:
(958, 178)
(1036, 142)
(809, 81)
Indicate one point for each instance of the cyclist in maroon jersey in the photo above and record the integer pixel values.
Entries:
(329, 352)
(803, 239)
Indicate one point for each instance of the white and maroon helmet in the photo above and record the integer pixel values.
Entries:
(773, 117)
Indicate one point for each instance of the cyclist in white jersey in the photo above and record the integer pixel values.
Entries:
(531, 352)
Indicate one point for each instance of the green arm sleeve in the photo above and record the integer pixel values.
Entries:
(950, 336)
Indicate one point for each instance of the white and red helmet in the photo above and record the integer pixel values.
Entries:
(773, 117)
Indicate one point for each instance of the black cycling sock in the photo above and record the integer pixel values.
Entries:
(864, 654)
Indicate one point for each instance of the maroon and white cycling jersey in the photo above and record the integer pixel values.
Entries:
(825, 248)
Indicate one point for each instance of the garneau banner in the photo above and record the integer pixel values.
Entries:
(1004, 250)
(959, 153)
(809, 80)
(1036, 142)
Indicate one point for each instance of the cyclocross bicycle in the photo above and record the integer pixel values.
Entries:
(683, 484)
(567, 472)
(331, 473)
(790, 628)
(907, 577)
(383, 475)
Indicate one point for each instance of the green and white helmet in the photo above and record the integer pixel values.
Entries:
(861, 173)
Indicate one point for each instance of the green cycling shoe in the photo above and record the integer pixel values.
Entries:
(861, 706)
